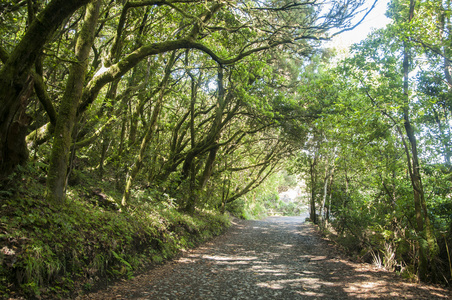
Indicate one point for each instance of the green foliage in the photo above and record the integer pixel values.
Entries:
(366, 113)
(55, 250)
(265, 200)
(214, 150)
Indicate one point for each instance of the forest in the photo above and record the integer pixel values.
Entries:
(132, 129)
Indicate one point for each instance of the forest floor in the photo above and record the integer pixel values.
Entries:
(275, 258)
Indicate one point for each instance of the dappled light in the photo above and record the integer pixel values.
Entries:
(132, 132)
(278, 258)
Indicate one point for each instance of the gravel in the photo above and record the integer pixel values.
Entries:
(275, 258)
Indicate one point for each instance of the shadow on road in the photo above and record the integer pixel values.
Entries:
(282, 257)
(276, 258)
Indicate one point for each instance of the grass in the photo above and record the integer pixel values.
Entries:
(53, 251)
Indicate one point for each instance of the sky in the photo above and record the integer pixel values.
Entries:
(376, 19)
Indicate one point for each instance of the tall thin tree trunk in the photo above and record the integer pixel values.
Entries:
(325, 191)
(209, 141)
(106, 109)
(68, 108)
(426, 249)
(192, 193)
(152, 126)
(447, 51)
(327, 186)
(313, 213)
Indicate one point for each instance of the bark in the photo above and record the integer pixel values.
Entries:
(444, 136)
(446, 26)
(271, 163)
(447, 73)
(44, 98)
(214, 131)
(115, 55)
(56, 178)
(210, 142)
(192, 197)
(330, 195)
(152, 126)
(176, 157)
(106, 110)
(14, 150)
(40, 135)
(327, 182)
(193, 191)
(15, 83)
(225, 194)
(208, 168)
(325, 192)
(117, 70)
(312, 173)
(427, 244)
(89, 140)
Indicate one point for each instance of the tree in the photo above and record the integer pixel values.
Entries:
(56, 178)
(382, 66)
(248, 28)
(16, 80)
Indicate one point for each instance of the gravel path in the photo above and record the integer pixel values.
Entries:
(277, 258)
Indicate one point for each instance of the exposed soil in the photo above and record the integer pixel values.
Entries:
(276, 258)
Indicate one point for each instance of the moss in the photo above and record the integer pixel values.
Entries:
(59, 250)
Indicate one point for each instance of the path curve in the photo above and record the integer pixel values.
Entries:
(275, 258)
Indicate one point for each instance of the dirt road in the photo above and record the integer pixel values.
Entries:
(276, 258)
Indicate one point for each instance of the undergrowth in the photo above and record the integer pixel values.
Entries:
(385, 249)
(265, 200)
(51, 251)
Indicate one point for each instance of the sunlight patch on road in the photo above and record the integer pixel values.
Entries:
(319, 258)
(267, 271)
(312, 283)
(230, 259)
(362, 289)
(270, 285)
(311, 294)
(285, 246)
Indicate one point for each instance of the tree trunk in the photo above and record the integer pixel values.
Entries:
(106, 110)
(13, 147)
(193, 191)
(152, 126)
(427, 248)
(144, 143)
(313, 213)
(15, 84)
(324, 212)
(206, 144)
(56, 178)
(208, 168)
(447, 51)
(190, 202)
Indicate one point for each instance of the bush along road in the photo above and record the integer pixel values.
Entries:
(275, 258)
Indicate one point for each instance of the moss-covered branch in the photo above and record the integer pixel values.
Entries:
(14, 77)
